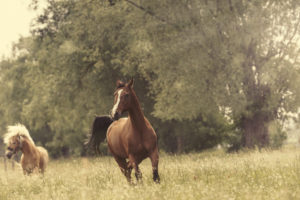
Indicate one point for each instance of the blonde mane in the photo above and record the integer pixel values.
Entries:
(15, 130)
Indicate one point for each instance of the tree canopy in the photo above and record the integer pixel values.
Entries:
(207, 72)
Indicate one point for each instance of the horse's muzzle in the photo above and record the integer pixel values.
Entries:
(9, 154)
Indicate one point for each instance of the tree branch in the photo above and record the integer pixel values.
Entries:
(151, 13)
(284, 52)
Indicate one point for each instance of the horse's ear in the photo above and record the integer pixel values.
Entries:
(119, 84)
(19, 138)
(130, 83)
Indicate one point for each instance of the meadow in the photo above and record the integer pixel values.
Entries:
(208, 175)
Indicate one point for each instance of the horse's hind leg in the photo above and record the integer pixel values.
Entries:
(42, 169)
(124, 168)
(154, 160)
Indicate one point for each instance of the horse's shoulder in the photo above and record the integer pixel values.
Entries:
(119, 121)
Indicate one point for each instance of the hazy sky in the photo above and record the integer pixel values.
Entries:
(15, 19)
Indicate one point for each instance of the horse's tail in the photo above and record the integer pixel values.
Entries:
(98, 132)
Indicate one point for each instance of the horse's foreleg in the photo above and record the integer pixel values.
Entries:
(154, 160)
(124, 168)
(133, 163)
(138, 173)
(36, 170)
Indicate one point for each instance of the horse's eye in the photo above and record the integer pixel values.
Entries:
(126, 95)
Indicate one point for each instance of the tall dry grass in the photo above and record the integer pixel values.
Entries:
(208, 175)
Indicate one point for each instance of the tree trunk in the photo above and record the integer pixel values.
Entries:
(255, 131)
(179, 144)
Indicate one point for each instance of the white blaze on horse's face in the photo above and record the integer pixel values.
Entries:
(114, 110)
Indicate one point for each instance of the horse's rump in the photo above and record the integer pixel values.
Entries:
(44, 158)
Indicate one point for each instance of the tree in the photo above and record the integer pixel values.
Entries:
(206, 72)
(98, 42)
(76, 53)
(233, 56)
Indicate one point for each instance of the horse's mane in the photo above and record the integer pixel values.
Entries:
(17, 129)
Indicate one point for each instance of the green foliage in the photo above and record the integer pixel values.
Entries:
(232, 55)
(204, 70)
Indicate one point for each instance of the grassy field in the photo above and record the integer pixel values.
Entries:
(208, 175)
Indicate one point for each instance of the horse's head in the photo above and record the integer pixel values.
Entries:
(123, 99)
(13, 145)
(14, 138)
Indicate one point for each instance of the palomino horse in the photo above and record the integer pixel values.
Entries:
(33, 159)
(131, 138)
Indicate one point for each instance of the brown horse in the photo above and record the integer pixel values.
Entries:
(33, 159)
(131, 138)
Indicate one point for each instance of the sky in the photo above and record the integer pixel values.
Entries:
(15, 20)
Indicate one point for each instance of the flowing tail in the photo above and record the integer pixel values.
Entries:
(98, 133)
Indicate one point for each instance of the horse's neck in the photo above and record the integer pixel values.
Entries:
(27, 147)
(136, 114)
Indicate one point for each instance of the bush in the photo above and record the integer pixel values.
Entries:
(277, 135)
